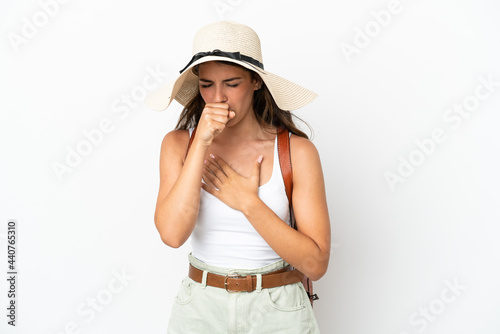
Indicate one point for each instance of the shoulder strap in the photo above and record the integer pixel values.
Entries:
(286, 171)
(285, 162)
(190, 140)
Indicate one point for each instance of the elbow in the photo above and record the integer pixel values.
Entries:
(168, 237)
(170, 241)
(317, 269)
(318, 272)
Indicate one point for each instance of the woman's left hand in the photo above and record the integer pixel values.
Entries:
(230, 187)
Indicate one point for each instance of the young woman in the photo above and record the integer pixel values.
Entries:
(221, 185)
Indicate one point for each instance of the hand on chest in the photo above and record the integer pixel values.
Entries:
(242, 159)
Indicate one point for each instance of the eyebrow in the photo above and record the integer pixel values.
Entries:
(226, 80)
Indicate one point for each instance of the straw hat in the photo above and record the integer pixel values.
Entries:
(232, 42)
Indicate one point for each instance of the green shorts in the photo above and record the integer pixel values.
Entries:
(199, 308)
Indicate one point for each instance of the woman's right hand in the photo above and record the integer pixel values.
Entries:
(212, 122)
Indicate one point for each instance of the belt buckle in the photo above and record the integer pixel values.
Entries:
(235, 275)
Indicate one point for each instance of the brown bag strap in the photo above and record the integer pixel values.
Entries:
(286, 171)
(286, 167)
(285, 162)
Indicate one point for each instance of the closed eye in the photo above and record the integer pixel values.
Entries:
(229, 85)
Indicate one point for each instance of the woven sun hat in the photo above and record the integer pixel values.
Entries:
(231, 42)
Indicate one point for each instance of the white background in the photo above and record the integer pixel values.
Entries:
(396, 250)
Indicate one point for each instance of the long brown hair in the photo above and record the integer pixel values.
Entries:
(267, 112)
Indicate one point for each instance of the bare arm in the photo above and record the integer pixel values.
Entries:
(179, 192)
(177, 206)
(308, 248)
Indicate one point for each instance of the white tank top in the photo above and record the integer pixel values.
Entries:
(223, 237)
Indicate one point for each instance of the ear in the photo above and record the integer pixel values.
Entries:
(257, 82)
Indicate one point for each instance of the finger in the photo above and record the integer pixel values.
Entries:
(256, 169)
(219, 118)
(212, 178)
(217, 105)
(216, 111)
(209, 189)
(216, 169)
(214, 115)
(207, 180)
(222, 164)
(214, 166)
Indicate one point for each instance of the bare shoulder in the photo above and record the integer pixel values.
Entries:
(176, 137)
(306, 163)
(302, 149)
(175, 143)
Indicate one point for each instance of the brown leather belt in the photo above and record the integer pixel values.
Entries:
(248, 283)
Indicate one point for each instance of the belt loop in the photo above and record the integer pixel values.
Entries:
(258, 284)
(204, 279)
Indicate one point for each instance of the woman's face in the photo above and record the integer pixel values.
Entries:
(233, 85)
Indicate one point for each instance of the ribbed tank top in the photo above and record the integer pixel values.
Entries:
(223, 237)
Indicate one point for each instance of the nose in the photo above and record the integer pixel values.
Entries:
(220, 95)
